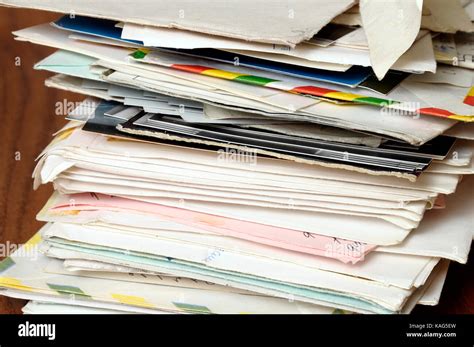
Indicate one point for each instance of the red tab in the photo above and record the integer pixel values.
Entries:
(469, 100)
(191, 68)
(438, 112)
(313, 90)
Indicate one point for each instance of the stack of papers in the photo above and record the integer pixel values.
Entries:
(315, 159)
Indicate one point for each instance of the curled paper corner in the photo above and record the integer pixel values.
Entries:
(391, 28)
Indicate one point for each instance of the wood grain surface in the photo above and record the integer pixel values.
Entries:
(27, 113)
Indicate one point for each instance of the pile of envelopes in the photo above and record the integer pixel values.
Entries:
(252, 157)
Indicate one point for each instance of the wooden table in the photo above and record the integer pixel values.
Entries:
(27, 110)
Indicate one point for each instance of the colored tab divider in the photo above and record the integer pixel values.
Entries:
(14, 283)
(312, 90)
(469, 99)
(6, 263)
(191, 308)
(67, 290)
(132, 300)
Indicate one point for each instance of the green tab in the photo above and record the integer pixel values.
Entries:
(374, 101)
(192, 308)
(338, 311)
(139, 54)
(6, 263)
(68, 290)
(249, 79)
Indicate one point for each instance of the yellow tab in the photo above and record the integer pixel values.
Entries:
(471, 92)
(67, 212)
(131, 300)
(467, 119)
(62, 135)
(221, 74)
(65, 134)
(13, 283)
(342, 96)
(33, 241)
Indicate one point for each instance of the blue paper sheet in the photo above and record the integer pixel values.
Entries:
(108, 29)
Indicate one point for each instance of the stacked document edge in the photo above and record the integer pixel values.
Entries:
(207, 172)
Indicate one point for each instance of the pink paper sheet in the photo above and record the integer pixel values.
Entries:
(320, 245)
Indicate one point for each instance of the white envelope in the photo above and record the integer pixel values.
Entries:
(445, 233)
(432, 293)
(447, 17)
(259, 20)
(407, 271)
